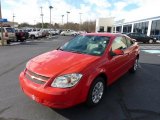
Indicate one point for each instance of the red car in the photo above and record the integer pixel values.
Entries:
(80, 70)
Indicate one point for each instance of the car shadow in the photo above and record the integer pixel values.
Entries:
(126, 99)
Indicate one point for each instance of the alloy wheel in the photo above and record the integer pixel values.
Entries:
(136, 65)
(97, 92)
(150, 41)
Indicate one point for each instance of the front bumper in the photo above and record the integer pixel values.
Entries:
(49, 96)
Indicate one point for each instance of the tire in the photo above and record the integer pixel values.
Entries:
(8, 42)
(96, 92)
(22, 40)
(33, 37)
(150, 41)
(135, 66)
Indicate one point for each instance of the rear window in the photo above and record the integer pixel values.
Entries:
(11, 30)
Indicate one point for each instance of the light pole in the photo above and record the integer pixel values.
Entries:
(80, 21)
(50, 7)
(67, 16)
(42, 15)
(13, 19)
(2, 41)
(62, 19)
(34, 23)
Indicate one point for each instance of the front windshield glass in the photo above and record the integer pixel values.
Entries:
(93, 45)
(11, 30)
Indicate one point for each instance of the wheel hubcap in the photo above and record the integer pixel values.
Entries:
(97, 92)
(136, 65)
(150, 41)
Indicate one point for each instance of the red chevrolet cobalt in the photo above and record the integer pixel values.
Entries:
(80, 70)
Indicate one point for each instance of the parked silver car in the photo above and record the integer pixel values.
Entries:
(69, 33)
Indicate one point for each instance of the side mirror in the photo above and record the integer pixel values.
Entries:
(116, 52)
(134, 40)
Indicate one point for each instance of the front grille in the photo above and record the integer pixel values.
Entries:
(36, 78)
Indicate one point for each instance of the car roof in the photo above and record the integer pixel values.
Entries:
(104, 34)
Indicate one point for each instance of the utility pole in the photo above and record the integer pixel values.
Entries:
(62, 19)
(42, 15)
(2, 41)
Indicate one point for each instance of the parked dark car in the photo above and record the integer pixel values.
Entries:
(141, 37)
(21, 35)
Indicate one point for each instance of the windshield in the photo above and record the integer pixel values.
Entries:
(11, 30)
(93, 45)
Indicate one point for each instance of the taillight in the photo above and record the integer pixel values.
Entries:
(6, 34)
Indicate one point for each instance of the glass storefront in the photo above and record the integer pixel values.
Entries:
(127, 28)
(141, 27)
(155, 29)
(118, 28)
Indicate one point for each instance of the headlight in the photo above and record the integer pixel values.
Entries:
(66, 81)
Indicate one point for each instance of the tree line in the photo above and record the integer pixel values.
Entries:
(88, 26)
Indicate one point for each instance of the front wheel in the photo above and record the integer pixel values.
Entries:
(96, 92)
(135, 66)
(33, 37)
(8, 42)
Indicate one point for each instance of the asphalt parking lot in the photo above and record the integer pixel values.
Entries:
(132, 97)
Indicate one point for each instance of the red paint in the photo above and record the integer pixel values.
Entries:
(56, 63)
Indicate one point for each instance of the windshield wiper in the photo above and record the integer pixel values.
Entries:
(75, 51)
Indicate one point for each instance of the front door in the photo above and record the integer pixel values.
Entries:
(117, 64)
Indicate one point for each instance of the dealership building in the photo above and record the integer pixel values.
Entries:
(149, 26)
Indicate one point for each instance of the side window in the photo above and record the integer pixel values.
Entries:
(129, 42)
(119, 43)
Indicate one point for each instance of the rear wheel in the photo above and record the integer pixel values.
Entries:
(96, 92)
(150, 41)
(135, 66)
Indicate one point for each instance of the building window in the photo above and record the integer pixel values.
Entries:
(101, 29)
(141, 27)
(118, 28)
(109, 29)
(127, 28)
(155, 29)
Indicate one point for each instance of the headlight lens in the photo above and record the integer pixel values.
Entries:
(66, 81)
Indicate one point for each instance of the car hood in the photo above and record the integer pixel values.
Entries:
(59, 62)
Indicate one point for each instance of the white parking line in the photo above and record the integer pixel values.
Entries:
(152, 51)
(17, 43)
(150, 47)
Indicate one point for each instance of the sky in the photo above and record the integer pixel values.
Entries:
(29, 10)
